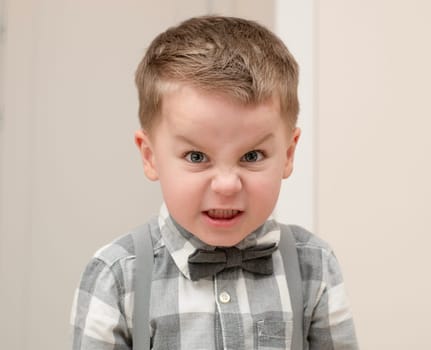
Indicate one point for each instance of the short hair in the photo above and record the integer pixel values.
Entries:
(231, 56)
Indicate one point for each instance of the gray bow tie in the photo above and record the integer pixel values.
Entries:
(204, 263)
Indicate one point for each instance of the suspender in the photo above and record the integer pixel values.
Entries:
(289, 254)
(143, 278)
(144, 269)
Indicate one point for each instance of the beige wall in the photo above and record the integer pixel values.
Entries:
(70, 176)
(373, 153)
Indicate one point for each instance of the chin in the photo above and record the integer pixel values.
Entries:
(220, 242)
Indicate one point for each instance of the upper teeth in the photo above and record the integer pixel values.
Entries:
(222, 213)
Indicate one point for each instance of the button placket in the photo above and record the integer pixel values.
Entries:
(231, 326)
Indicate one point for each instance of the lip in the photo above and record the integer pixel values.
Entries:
(222, 220)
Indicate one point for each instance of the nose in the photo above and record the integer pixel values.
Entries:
(226, 183)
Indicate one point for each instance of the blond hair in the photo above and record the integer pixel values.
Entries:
(231, 56)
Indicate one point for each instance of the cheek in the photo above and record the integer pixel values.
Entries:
(265, 190)
(179, 189)
(174, 198)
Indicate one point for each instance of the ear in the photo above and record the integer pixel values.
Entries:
(145, 146)
(290, 152)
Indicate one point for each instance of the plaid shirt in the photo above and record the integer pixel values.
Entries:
(233, 310)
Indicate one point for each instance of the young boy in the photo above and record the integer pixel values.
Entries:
(218, 110)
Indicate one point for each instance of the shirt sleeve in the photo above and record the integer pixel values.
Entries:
(98, 319)
(331, 325)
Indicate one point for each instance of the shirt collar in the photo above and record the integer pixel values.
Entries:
(181, 243)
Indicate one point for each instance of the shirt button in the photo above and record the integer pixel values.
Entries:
(224, 297)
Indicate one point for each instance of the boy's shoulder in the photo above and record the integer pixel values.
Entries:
(317, 260)
(306, 240)
(121, 248)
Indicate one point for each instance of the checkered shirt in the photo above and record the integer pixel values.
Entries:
(233, 310)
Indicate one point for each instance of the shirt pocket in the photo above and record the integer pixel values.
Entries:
(274, 334)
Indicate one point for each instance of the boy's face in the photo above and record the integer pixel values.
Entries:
(220, 164)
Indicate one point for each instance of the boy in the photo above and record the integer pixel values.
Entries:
(218, 109)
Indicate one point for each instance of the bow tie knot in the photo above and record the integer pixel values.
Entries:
(233, 257)
(204, 263)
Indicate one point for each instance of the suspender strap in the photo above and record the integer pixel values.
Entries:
(294, 283)
(143, 278)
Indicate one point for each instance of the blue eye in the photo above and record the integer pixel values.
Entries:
(252, 156)
(196, 157)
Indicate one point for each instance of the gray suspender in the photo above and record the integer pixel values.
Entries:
(144, 269)
(143, 278)
(289, 254)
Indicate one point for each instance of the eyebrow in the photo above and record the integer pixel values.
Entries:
(184, 139)
(264, 139)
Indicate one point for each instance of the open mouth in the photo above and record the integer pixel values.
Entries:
(222, 214)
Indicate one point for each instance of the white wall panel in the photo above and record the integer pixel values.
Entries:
(294, 23)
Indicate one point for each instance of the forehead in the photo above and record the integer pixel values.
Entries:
(185, 105)
(209, 120)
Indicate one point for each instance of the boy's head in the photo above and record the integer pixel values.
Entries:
(234, 57)
(218, 108)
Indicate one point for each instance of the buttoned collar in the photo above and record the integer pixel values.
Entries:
(181, 243)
